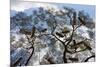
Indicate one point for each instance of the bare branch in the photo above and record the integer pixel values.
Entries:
(93, 56)
(32, 47)
(58, 38)
(78, 26)
(30, 56)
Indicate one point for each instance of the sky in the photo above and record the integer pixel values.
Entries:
(21, 6)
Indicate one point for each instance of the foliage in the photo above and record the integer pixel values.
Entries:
(57, 36)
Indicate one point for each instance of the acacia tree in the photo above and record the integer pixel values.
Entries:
(58, 32)
(76, 20)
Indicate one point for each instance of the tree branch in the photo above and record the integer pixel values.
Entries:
(58, 38)
(93, 56)
(78, 26)
(32, 43)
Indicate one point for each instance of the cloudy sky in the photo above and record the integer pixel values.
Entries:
(22, 5)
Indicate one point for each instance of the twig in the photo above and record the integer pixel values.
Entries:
(78, 26)
(93, 56)
(58, 38)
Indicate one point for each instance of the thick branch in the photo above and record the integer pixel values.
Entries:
(32, 43)
(64, 56)
(30, 56)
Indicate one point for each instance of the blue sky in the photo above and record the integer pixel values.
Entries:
(90, 9)
(17, 5)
